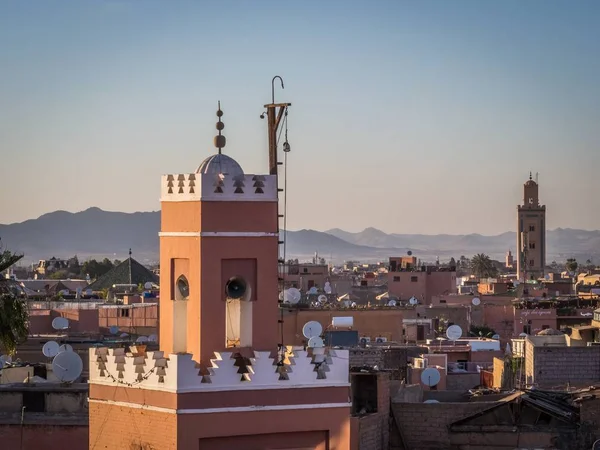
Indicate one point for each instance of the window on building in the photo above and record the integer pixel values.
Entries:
(396, 279)
(532, 245)
(305, 270)
(414, 279)
(363, 283)
(531, 227)
(124, 312)
(531, 262)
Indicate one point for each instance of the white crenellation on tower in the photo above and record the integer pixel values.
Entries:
(196, 186)
(179, 373)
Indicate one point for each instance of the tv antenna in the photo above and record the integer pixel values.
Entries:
(67, 366)
(291, 296)
(312, 329)
(50, 349)
(430, 377)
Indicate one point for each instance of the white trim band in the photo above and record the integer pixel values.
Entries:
(216, 234)
(223, 410)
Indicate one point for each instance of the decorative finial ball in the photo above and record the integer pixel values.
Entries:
(220, 126)
(220, 141)
(219, 113)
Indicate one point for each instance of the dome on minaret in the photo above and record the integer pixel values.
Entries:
(220, 164)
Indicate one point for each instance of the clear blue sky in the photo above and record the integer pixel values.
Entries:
(409, 116)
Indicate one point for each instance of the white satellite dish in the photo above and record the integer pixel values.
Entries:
(522, 335)
(413, 301)
(65, 292)
(315, 342)
(60, 323)
(65, 348)
(89, 292)
(313, 291)
(430, 377)
(153, 338)
(5, 360)
(392, 303)
(50, 349)
(67, 366)
(431, 400)
(454, 332)
(327, 287)
(496, 337)
(141, 339)
(124, 335)
(148, 285)
(292, 296)
(322, 298)
(113, 329)
(476, 301)
(312, 329)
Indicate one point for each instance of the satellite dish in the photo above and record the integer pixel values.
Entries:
(113, 329)
(522, 335)
(141, 339)
(392, 303)
(65, 348)
(153, 338)
(322, 298)
(327, 287)
(409, 253)
(313, 291)
(5, 360)
(148, 285)
(60, 323)
(430, 377)
(476, 301)
(124, 335)
(454, 332)
(315, 342)
(496, 337)
(292, 296)
(413, 301)
(50, 349)
(65, 292)
(312, 329)
(89, 292)
(67, 366)
(431, 400)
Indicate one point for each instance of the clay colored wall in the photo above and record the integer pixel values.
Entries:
(372, 323)
(46, 437)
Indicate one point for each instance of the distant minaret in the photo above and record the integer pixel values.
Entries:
(531, 233)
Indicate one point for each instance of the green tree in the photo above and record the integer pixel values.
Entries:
(13, 310)
(482, 266)
(59, 275)
(96, 269)
(482, 331)
(452, 262)
(571, 265)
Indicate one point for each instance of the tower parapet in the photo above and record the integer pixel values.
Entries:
(180, 373)
(192, 187)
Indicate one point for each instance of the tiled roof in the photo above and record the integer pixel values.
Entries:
(120, 275)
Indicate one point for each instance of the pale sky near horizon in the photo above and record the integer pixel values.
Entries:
(408, 116)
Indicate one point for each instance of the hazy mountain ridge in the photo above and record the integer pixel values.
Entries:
(97, 233)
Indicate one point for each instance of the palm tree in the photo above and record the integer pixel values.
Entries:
(571, 265)
(13, 310)
(482, 266)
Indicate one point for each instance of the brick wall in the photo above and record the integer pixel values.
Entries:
(119, 428)
(462, 381)
(424, 426)
(374, 429)
(36, 437)
(549, 366)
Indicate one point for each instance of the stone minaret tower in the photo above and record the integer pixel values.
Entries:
(531, 233)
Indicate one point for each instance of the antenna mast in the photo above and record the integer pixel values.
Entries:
(276, 115)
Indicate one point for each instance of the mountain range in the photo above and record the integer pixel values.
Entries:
(98, 234)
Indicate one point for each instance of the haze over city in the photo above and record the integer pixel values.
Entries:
(431, 113)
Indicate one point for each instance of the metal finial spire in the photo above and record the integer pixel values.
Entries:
(530, 176)
(220, 140)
